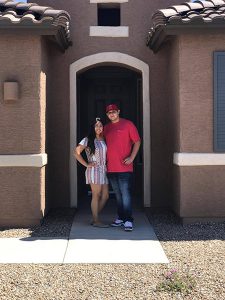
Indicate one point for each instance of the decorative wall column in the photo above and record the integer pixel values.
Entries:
(22, 130)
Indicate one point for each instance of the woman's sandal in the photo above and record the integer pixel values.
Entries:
(100, 225)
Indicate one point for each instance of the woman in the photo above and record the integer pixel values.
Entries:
(95, 174)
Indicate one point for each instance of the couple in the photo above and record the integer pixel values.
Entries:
(119, 151)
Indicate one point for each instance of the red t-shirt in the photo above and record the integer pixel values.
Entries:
(120, 138)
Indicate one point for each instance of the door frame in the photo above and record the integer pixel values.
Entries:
(124, 60)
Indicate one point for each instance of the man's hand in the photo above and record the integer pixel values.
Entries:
(128, 161)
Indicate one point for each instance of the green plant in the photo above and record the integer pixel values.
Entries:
(177, 283)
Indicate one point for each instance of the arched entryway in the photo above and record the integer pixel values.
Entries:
(96, 88)
(125, 62)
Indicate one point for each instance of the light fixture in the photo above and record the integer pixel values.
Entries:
(11, 91)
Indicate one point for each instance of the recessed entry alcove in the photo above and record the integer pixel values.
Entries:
(118, 65)
(98, 87)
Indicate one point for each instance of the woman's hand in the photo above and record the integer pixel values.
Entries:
(77, 153)
(91, 164)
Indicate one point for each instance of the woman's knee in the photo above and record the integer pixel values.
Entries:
(96, 195)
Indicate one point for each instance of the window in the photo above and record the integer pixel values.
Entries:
(109, 19)
(109, 14)
(219, 101)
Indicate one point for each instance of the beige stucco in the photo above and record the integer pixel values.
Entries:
(20, 58)
(22, 196)
(181, 115)
(22, 130)
(196, 90)
(83, 15)
(198, 175)
(202, 191)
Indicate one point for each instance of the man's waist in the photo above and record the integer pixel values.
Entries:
(124, 168)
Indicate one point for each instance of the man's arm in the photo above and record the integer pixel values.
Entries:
(133, 154)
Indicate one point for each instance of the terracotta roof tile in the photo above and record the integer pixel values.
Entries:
(180, 8)
(168, 12)
(195, 5)
(34, 15)
(187, 14)
(217, 2)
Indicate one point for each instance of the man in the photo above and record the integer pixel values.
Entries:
(123, 143)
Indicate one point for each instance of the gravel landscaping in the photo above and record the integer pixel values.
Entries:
(56, 224)
(197, 250)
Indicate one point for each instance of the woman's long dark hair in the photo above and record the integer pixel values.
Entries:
(92, 135)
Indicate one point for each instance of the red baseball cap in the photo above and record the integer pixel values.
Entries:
(111, 107)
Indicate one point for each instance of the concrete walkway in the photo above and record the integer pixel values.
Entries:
(88, 244)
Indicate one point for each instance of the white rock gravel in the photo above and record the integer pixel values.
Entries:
(196, 249)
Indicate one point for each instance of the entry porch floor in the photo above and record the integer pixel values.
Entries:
(88, 244)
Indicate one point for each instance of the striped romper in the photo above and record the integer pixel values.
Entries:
(96, 174)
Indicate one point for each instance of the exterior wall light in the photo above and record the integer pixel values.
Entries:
(11, 91)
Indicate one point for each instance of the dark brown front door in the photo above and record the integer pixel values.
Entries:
(96, 89)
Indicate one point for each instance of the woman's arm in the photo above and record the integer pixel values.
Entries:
(77, 153)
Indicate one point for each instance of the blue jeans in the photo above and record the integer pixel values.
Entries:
(121, 184)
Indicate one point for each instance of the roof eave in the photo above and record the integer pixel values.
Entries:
(62, 41)
(41, 29)
(166, 32)
(157, 39)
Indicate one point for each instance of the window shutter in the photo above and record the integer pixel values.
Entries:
(219, 101)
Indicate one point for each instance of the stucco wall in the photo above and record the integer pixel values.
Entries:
(173, 123)
(196, 91)
(22, 196)
(136, 15)
(20, 60)
(199, 190)
(202, 191)
(22, 129)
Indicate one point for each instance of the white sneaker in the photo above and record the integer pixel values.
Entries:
(128, 226)
(117, 223)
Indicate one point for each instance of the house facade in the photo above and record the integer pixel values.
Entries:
(62, 62)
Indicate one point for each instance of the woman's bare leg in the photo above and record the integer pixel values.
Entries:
(104, 196)
(96, 195)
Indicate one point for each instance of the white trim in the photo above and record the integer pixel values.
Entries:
(108, 1)
(199, 159)
(109, 31)
(125, 60)
(29, 160)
